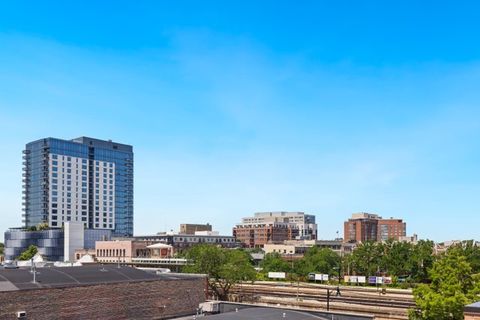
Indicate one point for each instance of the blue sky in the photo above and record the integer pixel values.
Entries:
(233, 107)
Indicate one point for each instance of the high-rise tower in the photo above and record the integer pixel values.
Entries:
(84, 179)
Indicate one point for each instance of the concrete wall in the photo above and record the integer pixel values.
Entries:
(74, 239)
(137, 300)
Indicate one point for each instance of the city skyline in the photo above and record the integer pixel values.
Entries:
(328, 110)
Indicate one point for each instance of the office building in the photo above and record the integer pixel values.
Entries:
(305, 223)
(179, 242)
(188, 228)
(258, 235)
(84, 179)
(275, 227)
(362, 227)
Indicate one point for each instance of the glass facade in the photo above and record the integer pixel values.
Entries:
(83, 179)
(48, 242)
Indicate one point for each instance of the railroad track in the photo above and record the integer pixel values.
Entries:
(366, 300)
(392, 305)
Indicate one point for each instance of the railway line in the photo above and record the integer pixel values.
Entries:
(392, 304)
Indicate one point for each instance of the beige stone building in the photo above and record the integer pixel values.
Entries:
(126, 250)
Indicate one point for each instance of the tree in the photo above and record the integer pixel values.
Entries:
(224, 267)
(472, 252)
(273, 262)
(452, 287)
(2, 246)
(42, 226)
(29, 253)
(318, 260)
(396, 258)
(366, 258)
(422, 259)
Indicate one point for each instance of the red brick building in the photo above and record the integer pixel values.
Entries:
(257, 235)
(363, 227)
(98, 292)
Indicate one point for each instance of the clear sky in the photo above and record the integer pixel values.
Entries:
(233, 107)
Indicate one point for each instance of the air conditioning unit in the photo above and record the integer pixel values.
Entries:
(210, 307)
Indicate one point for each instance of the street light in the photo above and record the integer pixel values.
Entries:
(329, 293)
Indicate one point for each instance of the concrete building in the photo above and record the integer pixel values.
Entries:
(180, 242)
(188, 228)
(299, 247)
(91, 292)
(275, 227)
(82, 180)
(362, 227)
(305, 222)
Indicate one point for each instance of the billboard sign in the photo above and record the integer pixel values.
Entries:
(276, 275)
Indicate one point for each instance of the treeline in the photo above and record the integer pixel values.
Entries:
(410, 262)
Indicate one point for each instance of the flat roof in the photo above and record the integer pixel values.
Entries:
(59, 277)
(259, 313)
(473, 308)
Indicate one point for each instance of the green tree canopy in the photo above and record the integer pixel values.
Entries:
(452, 287)
(318, 260)
(2, 246)
(396, 258)
(422, 259)
(224, 267)
(29, 253)
(366, 258)
(273, 262)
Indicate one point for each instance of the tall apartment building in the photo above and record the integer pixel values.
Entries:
(362, 227)
(84, 179)
(275, 227)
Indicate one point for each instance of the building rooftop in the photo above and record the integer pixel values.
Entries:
(474, 307)
(60, 277)
(241, 311)
(260, 313)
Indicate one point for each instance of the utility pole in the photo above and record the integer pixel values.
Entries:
(329, 293)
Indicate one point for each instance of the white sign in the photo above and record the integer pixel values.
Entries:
(361, 279)
(276, 275)
(321, 277)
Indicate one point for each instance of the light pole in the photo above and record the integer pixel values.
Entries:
(337, 291)
(329, 293)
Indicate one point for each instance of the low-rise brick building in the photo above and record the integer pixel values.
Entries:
(98, 292)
